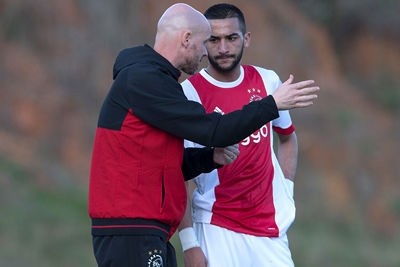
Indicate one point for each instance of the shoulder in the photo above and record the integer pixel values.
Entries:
(149, 72)
(270, 78)
(146, 79)
(267, 74)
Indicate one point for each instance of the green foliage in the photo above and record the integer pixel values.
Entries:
(377, 16)
(387, 91)
(395, 206)
(382, 87)
(42, 226)
(344, 117)
(331, 243)
(320, 11)
(12, 170)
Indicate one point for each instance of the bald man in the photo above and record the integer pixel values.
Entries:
(137, 195)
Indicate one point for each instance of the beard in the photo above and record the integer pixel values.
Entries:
(190, 67)
(191, 64)
(214, 63)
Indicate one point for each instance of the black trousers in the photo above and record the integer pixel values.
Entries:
(133, 251)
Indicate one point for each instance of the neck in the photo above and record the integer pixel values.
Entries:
(229, 76)
(165, 50)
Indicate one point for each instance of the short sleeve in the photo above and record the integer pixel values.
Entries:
(283, 124)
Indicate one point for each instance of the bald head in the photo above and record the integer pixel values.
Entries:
(181, 17)
(181, 33)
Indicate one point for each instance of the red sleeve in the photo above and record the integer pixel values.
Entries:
(286, 131)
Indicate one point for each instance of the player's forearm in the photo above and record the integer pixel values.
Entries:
(287, 154)
(187, 220)
(186, 232)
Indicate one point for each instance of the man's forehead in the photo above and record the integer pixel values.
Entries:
(224, 26)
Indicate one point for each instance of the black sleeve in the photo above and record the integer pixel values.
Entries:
(158, 99)
(197, 161)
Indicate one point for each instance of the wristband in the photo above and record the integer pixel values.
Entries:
(188, 238)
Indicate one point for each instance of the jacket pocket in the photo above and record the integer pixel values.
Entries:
(162, 193)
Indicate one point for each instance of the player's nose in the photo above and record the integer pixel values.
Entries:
(223, 47)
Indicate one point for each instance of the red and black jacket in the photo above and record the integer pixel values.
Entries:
(138, 162)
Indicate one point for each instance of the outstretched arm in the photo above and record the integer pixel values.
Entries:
(163, 105)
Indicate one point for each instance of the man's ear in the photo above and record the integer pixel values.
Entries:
(247, 38)
(185, 39)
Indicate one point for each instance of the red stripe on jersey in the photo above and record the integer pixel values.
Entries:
(133, 226)
(286, 131)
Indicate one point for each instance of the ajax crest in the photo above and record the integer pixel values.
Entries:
(254, 94)
(155, 260)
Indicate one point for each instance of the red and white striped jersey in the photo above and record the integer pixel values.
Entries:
(250, 195)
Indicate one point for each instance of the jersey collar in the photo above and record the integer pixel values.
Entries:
(215, 82)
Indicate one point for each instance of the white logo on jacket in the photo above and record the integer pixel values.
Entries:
(155, 260)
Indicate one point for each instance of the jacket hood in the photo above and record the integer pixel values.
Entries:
(143, 55)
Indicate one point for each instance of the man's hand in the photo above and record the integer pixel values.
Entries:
(194, 257)
(226, 155)
(295, 95)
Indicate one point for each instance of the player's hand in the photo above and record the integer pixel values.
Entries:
(291, 95)
(194, 257)
(226, 155)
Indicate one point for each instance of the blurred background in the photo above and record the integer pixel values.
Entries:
(56, 68)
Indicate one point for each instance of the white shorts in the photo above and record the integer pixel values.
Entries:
(224, 247)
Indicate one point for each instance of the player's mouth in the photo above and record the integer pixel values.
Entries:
(224, 57)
